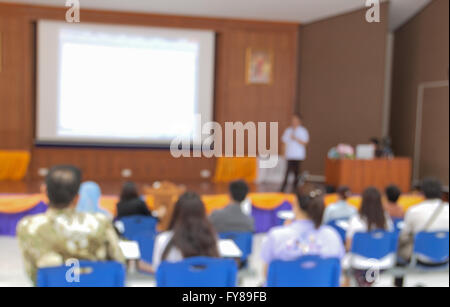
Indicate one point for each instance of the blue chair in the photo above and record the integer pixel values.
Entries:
(340, 225)
(244, 240)
(378, 247)
(307, 271)
(433, 246)
(137, 224)
(146, 242)
(91, 274)
(197, 272)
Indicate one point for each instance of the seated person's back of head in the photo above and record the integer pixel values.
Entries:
(372, 215)
(61, 233)
(306, 234)
(341, 209)
(232, 217)
(190, 233)
(130, 202)
(392, 207)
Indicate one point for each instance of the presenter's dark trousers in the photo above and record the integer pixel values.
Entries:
(293, 166)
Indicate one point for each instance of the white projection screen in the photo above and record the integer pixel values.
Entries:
(122, 85)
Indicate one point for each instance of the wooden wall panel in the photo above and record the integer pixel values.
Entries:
(360, 174)
(341, 86)
(421, 55)
(14, 119)
(107, 164)
(234, 100)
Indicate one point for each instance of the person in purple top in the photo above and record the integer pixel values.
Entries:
(305, 235)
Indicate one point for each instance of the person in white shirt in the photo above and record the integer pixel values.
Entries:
(340, 210)
(190, 233)
(295, 138)
(431, 215)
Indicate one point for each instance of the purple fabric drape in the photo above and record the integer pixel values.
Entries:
(8, 221)
(266, 219)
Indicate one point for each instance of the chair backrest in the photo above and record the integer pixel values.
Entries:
(398, 224)
(137, 224)
(88, 274)
(432, 245)
(307, 271)
(374, 244)
(197, 272)
(244, 240)
(146, 242)
(340, 225)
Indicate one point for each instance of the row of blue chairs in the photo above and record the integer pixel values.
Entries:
(311, 271)
(379, 245)
(373, 245)
(341, 225)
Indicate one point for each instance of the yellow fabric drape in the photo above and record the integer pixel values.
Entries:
(267, 201)
(13, 164)
(19, 203)
(229, 169)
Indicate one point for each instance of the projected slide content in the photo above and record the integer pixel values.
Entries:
(130, 85)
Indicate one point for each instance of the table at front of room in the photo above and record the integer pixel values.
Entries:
(360, 174)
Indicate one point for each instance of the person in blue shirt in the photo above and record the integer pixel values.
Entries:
(89, 200)
(340, 210)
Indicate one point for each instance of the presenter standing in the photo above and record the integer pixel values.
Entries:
(295, 138)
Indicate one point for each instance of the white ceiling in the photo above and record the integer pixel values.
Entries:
(303, 11)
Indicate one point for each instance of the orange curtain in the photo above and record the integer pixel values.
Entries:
(13, 164)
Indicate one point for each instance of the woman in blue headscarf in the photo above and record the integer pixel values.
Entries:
(89, 198)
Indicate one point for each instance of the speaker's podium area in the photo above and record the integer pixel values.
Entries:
(201, 144)
(360, 173)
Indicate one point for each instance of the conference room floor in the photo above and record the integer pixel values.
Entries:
(12, 271)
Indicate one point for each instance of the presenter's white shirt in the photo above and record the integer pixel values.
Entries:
(295, 150)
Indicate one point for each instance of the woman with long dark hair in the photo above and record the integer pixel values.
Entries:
(372, 216)
(190, 233)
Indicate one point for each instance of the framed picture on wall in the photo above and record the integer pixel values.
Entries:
(259, 66)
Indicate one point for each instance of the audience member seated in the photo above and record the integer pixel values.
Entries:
(305, 235)
(341, 209)
(61, 233)
(429, 216)
(232, 218)
(130, 202)
(190, 233)
(391, 206)
(371, 217)
(89, 199)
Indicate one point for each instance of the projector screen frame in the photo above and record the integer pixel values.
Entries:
(118, 143)
(100, 145)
